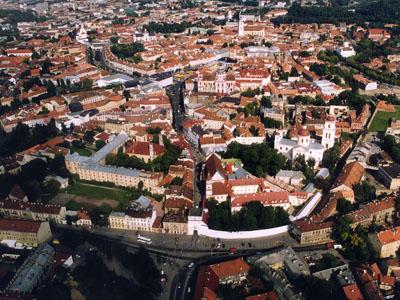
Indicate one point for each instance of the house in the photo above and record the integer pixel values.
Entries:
(386, 242)
(147, 151)
(291, 177)
(140, 216)
(32, 211)
(346, 50)
(29, 233)
(352, 292)
(228, 272)
(378, 35)
(310, 231)
(366, 84)
(389, 173)
(84, 219)
(350, 175)
(17, 193)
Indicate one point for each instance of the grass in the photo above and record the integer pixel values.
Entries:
(98, 192)
(381, 120)
(81, 151)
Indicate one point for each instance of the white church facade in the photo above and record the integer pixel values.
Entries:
(304, 145)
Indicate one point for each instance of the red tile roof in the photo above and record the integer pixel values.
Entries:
(19, 225)
(230, 268)
(352, 292)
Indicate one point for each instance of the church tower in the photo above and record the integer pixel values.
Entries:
(241, 26)
(329, 132)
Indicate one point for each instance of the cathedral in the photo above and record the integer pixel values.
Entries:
(304, 145)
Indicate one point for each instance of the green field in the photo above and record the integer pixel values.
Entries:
(81, 151)
(98, 192)
(381, 120)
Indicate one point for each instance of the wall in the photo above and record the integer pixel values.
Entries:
(205, 231)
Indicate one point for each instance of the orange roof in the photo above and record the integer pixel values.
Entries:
(230, 268)
(389, 236)
(352, 292)
(350, 175)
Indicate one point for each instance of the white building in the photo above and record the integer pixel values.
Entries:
(304, 146)
(346, 50)
(82, 36)
(140, 216)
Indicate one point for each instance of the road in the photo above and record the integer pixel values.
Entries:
(183, 246)
(181, 250)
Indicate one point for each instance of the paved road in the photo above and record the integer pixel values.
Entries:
(185, 246)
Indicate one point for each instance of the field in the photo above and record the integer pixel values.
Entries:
(100, 193)
(81, 151)
(381, 120)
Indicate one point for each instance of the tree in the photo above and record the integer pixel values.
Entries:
(344, 206)
(126, 94)
(331, 158)
(99, 144)
(114, 39)
(87, 84)
(266, 102)
(364, 192)
(52, 186)
(89, 136)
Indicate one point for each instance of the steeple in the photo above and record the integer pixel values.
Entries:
(329, 132)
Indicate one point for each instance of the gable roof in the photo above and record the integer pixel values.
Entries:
(213, 165)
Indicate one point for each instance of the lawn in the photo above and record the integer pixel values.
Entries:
(98, 192)
(81, 151)
(381, 120)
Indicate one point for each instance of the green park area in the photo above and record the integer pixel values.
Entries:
(99, 192)
(81, 151)
(381, 120)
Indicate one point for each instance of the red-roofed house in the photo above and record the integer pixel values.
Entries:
(145, 150)
(386, 242)
(229, 272)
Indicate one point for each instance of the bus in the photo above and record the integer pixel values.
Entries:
(144, 240)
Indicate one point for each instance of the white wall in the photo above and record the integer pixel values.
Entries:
(205, 231)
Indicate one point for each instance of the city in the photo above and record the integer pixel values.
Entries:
(192, 149)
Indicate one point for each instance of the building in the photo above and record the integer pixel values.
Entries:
(346, 50)
(351, 174)
(291, 177)
(93, 169)
(145, 150)
(175, 223)
(33, 271)
(140, 216)
(387, 242)
(379, 211)
(32, 211)
(390, 175)
(366, 84)
(29, 233)
(218, 82)
(309, 231)
(304, 146)
(229, 272)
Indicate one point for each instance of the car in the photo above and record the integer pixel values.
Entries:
(191, 265)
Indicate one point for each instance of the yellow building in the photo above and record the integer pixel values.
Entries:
(29, 233)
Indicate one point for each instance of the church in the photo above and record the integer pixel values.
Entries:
(304, 145)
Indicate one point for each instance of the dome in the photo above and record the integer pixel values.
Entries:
(304, 131)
